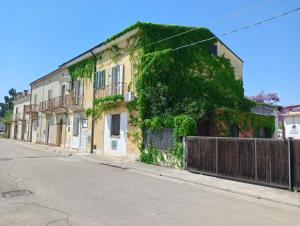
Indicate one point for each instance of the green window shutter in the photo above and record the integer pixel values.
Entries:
(95, 80)
(102, 84)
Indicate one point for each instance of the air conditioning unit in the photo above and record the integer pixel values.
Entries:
(129, 96)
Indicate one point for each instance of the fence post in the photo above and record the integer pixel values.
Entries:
(290, 164)
(255, 156)
(184, 153)
(217, 156)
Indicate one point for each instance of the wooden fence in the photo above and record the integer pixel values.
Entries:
(262, 161)
(160, 138)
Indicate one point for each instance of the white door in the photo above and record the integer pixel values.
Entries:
(115, 144)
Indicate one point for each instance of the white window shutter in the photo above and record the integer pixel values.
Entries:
(121, 79)
(121, 73)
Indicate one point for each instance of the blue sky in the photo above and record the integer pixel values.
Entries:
(37, 36)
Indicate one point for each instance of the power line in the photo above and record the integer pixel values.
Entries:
(239, 29)
(216, 21)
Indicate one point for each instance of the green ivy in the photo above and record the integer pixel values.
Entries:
(83, 69)
(184, 125)
(104, 104)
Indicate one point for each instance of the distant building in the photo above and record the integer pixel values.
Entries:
(2, 127)
(20, 121)
(292, 124)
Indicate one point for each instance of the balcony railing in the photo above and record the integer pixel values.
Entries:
(57, 102)
(73, 99)
(45, 106)
(111, 90)
(32, 108)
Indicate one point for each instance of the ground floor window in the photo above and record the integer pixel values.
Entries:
(115, 125)
(234, 131)
(263, 133)
(76, 122)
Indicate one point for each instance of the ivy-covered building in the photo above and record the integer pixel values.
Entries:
(137, 82)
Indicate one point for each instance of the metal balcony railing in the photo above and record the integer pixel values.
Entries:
(45, 106)
(32, 108)
(111, 90)
(73, 99)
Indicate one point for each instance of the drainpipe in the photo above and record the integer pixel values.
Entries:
(93, 123)
(30, 120)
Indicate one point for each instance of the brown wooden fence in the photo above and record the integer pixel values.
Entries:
(262, 161)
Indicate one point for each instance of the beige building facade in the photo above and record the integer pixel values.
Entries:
(56, 111)
(20, 128)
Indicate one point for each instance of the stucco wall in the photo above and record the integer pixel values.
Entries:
(289, 121)
(236, 63)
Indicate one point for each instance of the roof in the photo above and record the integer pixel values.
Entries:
(60, 69)
(128, 29)
(263, 110)
(292, 113)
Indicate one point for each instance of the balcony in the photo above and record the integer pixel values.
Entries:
(56, 104)
(111, 90)
(45, 106)
(31, 110)
(73, 102)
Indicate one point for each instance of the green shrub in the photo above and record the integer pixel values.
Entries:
(184, 125)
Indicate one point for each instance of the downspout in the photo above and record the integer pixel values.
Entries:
(30, 120)
(93, 123)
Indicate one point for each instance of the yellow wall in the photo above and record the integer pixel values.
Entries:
(236, 63)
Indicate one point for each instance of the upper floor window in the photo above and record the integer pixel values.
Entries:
(49, 94)
(17, 110)
(35, 99)
(115, 80)
(214, 50)
(99, 80)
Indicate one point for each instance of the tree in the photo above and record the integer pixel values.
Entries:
(267, 98)
(7, 105)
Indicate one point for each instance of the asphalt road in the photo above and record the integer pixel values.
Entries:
(68, 190)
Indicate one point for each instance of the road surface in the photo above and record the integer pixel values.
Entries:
(69, 190)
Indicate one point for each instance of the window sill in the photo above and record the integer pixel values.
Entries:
(115, 136)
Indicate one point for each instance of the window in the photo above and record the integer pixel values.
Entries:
(263, 133)
(49, 94)
(76, 122)
(214, 50)
(115, 125)
(234, 131)
(115, 80)
(116, 74)
(99, 80)
(17, 110)
(35, 99)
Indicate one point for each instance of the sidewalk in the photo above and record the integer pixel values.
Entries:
(249, 190)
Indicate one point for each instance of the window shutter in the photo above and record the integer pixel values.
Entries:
(110, 81)
(95, 80)
(121, 79)
(102, 85)
(80, 87)
(121, 73)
